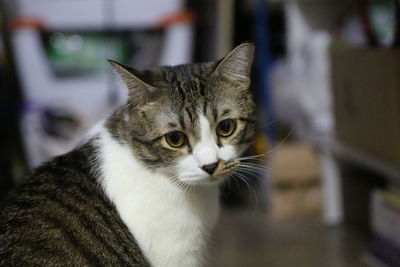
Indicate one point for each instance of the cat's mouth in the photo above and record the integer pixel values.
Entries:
(223, 172)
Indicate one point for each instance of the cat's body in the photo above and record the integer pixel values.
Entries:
(62, 217)
(143, 189)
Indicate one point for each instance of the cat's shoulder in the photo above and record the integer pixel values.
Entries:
(69, 175)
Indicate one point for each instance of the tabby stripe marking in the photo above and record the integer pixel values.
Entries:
(181, 121)
(69, 234)
(215, 113)
(103, 211)
(205, 107)
(190, 115)
(87, 221)
(91, 191)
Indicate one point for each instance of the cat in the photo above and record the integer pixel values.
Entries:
(143, 189)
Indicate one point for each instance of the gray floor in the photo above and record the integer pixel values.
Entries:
(246, 239)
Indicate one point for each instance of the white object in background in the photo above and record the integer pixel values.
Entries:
(87, 97)
(72, 14)
(353, 33)
(147, 13)
(301, 83)
(38, 81)
(331, 188)
(95, 14)
(178, 45)
(302, 98)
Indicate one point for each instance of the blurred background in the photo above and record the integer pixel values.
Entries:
(326, 78)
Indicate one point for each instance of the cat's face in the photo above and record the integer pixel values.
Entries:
(191, 122)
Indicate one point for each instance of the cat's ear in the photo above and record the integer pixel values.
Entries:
(139, 91)
(236, 65)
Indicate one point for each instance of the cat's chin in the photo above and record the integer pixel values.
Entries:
(210, 180)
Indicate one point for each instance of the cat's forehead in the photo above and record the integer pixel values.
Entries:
(187, 92)
(171, 75)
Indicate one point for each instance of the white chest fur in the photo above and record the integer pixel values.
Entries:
(170, 224)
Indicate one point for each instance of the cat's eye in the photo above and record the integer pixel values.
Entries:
(226, 128)
(175, 139)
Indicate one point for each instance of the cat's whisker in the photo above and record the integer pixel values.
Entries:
(253, 156)
(269, 152)
(281, 142)
(264, 168)
(252, 164)
(251, 159)
(254, 173)
(252, 168)
(255, 168)
(251, 173)
(252, 193)
(181, 185)
(189, 188)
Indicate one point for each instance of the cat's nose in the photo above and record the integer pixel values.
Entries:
(210, 168)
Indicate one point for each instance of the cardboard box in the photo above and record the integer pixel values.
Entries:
(366, 92)
(296, 182)
(295, 162)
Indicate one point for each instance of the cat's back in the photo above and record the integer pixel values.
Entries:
(61, 217)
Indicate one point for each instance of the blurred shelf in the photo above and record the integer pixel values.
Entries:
(358, 158)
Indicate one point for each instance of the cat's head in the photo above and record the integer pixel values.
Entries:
(191, 121)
